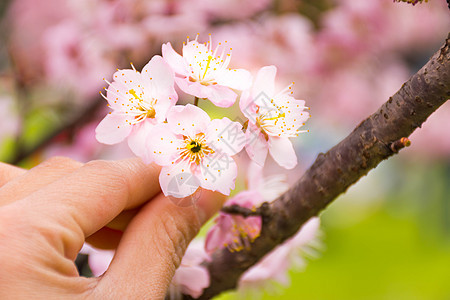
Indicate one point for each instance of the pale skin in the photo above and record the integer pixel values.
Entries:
(48, 212)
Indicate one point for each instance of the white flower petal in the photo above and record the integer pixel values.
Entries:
(175, 60)
(177, 180)
(220, 95)
(256, 145)
(159, 77)
(137, 140)
(218, 173)
(238, 79)
(188, 120)
(282, 152)
(247, 106)
(264, 82)
(191, 88)
(162, 144)
(226, 136)
(112, 129)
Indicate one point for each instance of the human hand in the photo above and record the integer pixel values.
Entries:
(48, 212)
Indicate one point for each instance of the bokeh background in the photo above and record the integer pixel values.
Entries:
(388, 237)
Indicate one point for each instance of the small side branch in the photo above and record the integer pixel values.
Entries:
(247, 212)
(400, 144)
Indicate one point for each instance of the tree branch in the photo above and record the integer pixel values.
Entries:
(374, 140)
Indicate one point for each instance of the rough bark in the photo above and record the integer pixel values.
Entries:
(374, 140)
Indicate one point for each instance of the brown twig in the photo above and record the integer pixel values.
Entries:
(374, 140)
(246, 212)
(84, 116)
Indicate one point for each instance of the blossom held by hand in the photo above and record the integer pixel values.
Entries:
(195, 151)
(273, 118)
(191, 277)
(236, 232)
(204, 72)
(139, 101)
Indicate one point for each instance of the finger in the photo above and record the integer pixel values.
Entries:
(8, 172)
(153, 245)
(93, 195)
(109, 236)
(23, 183)
(123, 219)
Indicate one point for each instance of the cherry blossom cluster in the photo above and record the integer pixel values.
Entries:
(193, 150)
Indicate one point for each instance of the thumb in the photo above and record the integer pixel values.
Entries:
(153, 245)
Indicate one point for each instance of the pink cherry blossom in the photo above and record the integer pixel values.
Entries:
(139, 101)
(204, 72)
(275, 265)
(233, 231)
(98, 259)
(195, 151)
(190, 278)
(74, 59)
(273, 118)
(236, 232)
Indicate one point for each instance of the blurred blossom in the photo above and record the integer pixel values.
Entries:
(355, 92)
(275, 265)
(98, 259)
(28, 20)
(83, 147)
(230, 9)
(115, 23)
(236, 232)
(172, 20)
(191, 278)
(285, 41)
(9, 120)
(432, 139)
(73, 59)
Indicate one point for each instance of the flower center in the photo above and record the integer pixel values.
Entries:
(195, 148)
(207, 63)
(143, 110)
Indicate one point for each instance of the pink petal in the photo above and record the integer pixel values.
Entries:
(248, 199)
(162, 144)
(226, 136)
(99, 260)
(112, 129)
(256, 144)
(191, 280)
(218, 234)
(220, 95)
(191, 49)
(137, 140)
(158, 75)
(192, 88)
(264, 82)
(175, 60)
(188, 120)
(177, 180)
(117, 94)
(162, 107)
(282, 152)
(247, 106)
(218, 173)
(238, 79)
(126, 76)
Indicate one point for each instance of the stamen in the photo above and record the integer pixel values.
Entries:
(207, 65)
